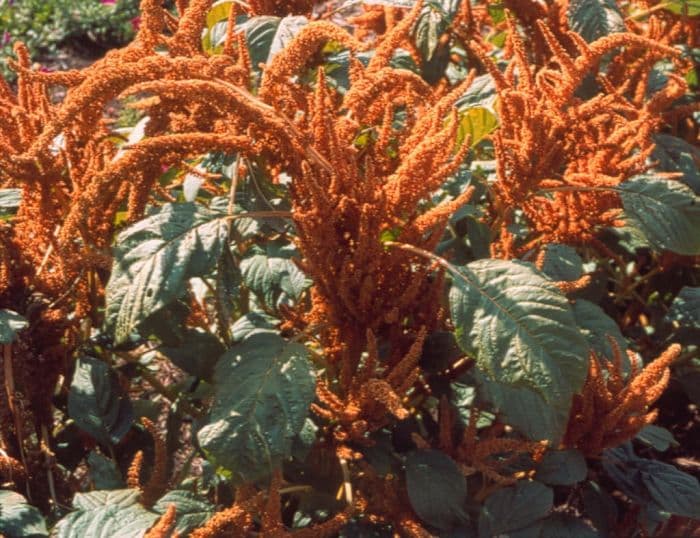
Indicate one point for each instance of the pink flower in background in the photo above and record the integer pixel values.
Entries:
(135, 23)
(108, 2)
(6, 37)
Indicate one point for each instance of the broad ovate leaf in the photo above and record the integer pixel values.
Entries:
(594, 19)
(562, 468)
(263, 389)
(267, 35)
(676, 155)
(155, 258)
(514, 508)
(18, 518)
(106, 514)
(685, 308)
(597, 327)
(272, 274)
(667, 212)
(526, 410)
(519, 328)
(561, 262)
(436, 488)
(192, 510)
(97, 403)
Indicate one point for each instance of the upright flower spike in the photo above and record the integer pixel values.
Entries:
(607, 412)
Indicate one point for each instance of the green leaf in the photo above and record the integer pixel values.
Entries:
(19, 519)
(519, 327)
(514, 507)
(597, 326)
(273, 276)
(192, 510)
(599, 507)
(562, 468)
(10, 324)
(104, 472)
(481, 94)
(264, 387)
(97, 403)
(526, 410)
(666, 212)
(10, 200)
(594, 19)
(198, 353)
(251, 323)
(673, 490)
(216, 26)
(676, 155)
(432, 23)
(219, 12)
(475, 123)
(436, 488)
(685, 308)
(562, 263)
(267, 35)
(106, 514)
(656, 437)
(653, 484)
(154, 259)
(679, 6)
(566, 526)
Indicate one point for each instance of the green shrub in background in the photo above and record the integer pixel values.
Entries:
(45, 26)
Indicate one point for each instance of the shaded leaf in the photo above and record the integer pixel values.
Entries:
(10, 324)
(566, 526)
(676, 155)
(685, 308)
(97, 403)
(106, 514)
(198, 353)
(526, 410)
(653, 484)
(562, 467)
(656, 437)
(594, 19)
(519, 327)
(263, 389)
(104, 473)
(155, 258)
(267, 35)
(18, 518)
(562, 262)
(436, 488)
(515, 507)
(192, 510)
(666, 212)
(273, 276)
(673, 490)
(597, 326)
(251, 323)
(599, 507)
